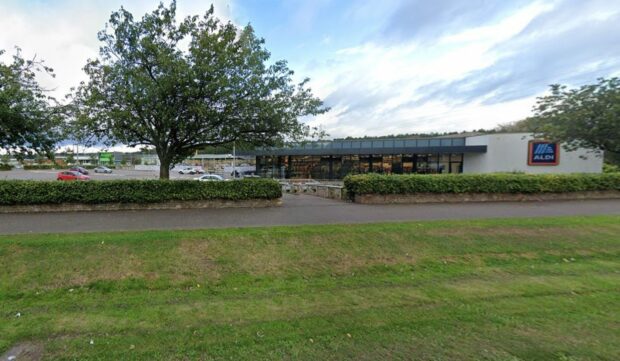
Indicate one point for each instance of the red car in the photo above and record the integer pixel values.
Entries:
(69, 175)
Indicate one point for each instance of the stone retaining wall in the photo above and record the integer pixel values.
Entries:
(315, 189)
(479, 197)
(79, 207)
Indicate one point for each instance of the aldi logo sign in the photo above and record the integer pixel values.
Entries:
(543, 153)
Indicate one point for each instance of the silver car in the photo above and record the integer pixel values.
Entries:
(210, 178)
(102, 169)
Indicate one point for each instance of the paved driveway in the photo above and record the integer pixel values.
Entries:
(296, 209)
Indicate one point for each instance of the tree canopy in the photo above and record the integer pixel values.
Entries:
(30, 121)
(182, 86)
(588, 116)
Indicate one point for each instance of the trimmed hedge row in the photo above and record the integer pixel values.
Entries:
(15, 192)
(38, 166)
(4, 166)
(480, 183)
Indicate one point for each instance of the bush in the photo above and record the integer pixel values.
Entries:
(610, 168)
(15, 192)
(4, 166)
(480, 183)
(38, 166)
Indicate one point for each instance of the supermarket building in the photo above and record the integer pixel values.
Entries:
(486, 153)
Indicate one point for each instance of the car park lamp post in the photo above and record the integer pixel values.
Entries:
(233, 162)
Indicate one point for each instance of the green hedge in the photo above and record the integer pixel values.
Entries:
(4, 166)
(611, 168)
(16, 192)
(38, 166)
(480, 183)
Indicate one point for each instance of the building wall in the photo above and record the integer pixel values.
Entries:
(509, 152)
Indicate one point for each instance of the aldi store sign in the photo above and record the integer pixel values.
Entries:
(543, 153)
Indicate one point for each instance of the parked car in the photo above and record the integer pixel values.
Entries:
(191, 170)
(210, 178)
(249, 174)
(79, 170)
(102, 169)
(69, 175)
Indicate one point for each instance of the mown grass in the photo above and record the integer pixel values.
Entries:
(526, 289)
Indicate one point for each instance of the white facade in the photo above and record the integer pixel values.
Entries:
(508, 152)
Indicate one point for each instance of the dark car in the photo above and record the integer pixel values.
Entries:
(69, 175)
(102, 169)
(79, 169)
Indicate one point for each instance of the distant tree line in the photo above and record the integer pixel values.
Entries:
(423, 135)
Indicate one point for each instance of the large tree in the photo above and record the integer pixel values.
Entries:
(30, 120)
(182, 86)
(588, 116)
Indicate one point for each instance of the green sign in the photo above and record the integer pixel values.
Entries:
(106, 158)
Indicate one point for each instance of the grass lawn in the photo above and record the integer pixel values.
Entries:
(517, 289)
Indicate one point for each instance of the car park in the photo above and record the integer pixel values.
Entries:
(103, 169)
(191, 170)
(210, 178)
(69, 175)
(79, 170)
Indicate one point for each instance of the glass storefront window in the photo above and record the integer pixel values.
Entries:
(350, 165)
(377, 164)
(365, 163)
(408, 163)
(456, 163)
(397, 164)
(386, 165)
(433, 163)
(444, 163)
(337, 167)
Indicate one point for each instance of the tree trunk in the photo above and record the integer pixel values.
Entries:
(164, 170)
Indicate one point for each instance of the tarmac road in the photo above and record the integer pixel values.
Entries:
(296, 209)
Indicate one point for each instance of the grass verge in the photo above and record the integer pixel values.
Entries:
(520, 289)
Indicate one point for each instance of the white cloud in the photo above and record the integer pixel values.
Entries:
(64, 33)
(372, 88)
(87, 150)
(379, 86)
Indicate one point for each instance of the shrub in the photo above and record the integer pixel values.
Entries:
(480, 183)
(38, 166)
(16, 192)
(4, 166)
(610, 168)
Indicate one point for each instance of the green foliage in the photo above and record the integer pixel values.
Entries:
(5, 166)
(183, 86)
(15, 192)
(480, 183)
(610, 168)
(30, 121)
(38, 166)
(70, 158)
(586, 117)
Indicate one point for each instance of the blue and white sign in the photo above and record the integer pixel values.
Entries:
(543, 153)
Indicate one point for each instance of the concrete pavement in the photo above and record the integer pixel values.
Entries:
(296, 209)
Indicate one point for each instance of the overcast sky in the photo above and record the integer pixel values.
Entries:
(384, 67)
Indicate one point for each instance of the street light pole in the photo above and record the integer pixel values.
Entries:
(234, 159)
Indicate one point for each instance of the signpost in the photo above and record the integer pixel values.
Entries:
(106, 158)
